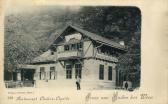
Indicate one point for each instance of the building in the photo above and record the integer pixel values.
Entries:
(75, 52)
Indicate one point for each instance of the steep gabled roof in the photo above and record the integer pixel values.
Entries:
(95, 37)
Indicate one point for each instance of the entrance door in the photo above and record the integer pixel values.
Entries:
(29, 74)
(28, 77)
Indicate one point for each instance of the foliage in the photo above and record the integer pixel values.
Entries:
(29, 34)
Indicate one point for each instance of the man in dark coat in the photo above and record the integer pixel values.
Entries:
(126, 85)
(78, 83)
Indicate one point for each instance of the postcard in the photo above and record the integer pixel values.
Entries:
(84, 52)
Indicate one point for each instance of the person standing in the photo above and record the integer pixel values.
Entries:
(78, 83)
(126, 85)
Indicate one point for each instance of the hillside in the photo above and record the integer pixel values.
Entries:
(29, 33)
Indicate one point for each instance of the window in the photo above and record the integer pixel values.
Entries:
(73, 47)
(42, 73)
(52, 73)
(110, 73)
(78, 70)
(68, 71)
(66, 47)
(101, 72)
(79, 46)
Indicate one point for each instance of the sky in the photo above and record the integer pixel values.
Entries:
(25, 6)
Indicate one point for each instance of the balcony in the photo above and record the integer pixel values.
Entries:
(70, 55)
(106, 57)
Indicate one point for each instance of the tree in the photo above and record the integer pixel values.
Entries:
(28, 34)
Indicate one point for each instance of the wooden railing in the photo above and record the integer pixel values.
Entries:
(65, 54)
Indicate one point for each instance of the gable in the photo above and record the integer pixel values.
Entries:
(75, 30)
(74, 36)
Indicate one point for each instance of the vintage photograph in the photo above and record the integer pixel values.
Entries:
(73, 47)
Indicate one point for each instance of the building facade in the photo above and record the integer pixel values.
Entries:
(75, 52)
